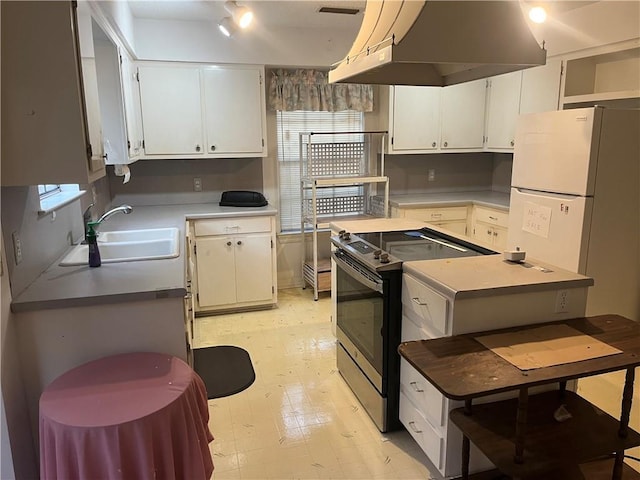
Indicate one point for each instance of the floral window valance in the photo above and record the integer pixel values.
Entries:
(291, 90)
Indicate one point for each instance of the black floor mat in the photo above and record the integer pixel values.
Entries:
(225, 369)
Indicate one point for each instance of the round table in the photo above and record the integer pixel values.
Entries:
(130, 416)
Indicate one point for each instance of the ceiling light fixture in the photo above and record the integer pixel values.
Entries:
(241, 15)
(227, 27)
(538, 14)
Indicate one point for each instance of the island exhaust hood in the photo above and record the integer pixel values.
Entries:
(438, 43)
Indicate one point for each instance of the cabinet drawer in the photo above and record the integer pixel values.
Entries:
(422, 394)
(437, 214)
(232, 226)
(425, 303)
(424, 434)
(492, 217)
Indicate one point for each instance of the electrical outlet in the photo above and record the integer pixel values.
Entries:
(197, 184)
(431, 175)
(17, 247)
(562, 301)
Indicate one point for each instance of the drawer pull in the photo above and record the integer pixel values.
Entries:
(415, 387)
(228, 244)
(413, 427)
(493, 218)
(417, 301)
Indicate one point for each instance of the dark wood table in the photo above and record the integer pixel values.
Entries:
(520, 436)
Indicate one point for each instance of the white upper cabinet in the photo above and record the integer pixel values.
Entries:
(463, 113)
(45, 130)
(171, 109)
(512, 94)
(202, 111)
(502, 110)
(234, 117)
(415, 119)
(433, 119)
(541, 88)
(133, 114)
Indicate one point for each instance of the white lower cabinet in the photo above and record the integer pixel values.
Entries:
(489, 225)
(450, 218)
(235, 263)
(429, 312)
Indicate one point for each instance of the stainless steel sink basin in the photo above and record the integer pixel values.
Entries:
(129, 246)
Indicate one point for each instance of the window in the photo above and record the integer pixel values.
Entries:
(290, 125)
(55, 196)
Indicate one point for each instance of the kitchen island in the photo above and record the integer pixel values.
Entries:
(441, 298)
(74, 314)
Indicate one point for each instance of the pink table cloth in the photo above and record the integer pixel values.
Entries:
(130, 416)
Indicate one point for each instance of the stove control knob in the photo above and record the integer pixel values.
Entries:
(347, 236)
(341, 233)
(384, 258)
(376, 254)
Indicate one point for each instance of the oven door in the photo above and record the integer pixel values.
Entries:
(360, 316)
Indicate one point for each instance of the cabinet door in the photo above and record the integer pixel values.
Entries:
(44, 130)
(254, 270)
(415, 118)
(502, 110)
(483, 232)
(133, 115)
(215, 265)
(234, 109)
(500, 238)
(463, 115)
(92, 104)
(171, 112)
(541, 88)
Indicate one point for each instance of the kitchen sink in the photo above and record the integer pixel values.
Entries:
(143, 235)
(129, 246)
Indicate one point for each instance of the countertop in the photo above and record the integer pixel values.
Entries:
(451, 199)
(63, 287)
(490, 275)
(377, 225)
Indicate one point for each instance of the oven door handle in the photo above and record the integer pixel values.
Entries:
(373, 285)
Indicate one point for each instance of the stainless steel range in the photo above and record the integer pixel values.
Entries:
(369, 309)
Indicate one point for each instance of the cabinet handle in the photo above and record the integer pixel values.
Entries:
(446, 144)
(228, 244)
(197, 148)
(417, 300)
(436, 215)
(512, 143)
(413, 427)
(415, 387)
(433, 144)
(488, 232)
(239, 242)
(495, 234)
(213, 148)
(493, 218)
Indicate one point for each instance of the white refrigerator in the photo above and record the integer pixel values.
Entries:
(575, 200)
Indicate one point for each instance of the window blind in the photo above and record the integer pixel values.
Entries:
(289, 126)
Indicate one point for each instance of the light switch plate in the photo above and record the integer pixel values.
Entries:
(17, 247)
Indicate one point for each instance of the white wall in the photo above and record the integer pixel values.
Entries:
(19, 459)
(596, 24)
(202, 42)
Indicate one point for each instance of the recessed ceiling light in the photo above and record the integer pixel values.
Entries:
(538, 14)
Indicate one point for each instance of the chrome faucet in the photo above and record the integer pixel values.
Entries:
(126, 209)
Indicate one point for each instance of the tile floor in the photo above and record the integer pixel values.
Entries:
(299, 420)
